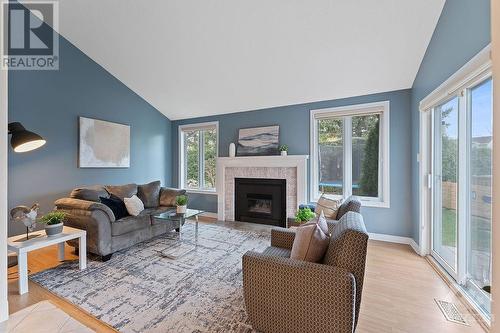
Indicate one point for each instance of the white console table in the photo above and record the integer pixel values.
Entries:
(21, 248)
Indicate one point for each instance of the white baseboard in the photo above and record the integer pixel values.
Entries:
(415, 247)
(4, 311)
(396, 239)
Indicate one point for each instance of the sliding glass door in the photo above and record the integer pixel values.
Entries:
(461, 198)
(478, 277)
(445, 184)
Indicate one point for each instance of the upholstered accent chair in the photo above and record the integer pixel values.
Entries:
(286, 295)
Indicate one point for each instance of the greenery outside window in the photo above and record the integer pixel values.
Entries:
(198, 148)
(350, 153)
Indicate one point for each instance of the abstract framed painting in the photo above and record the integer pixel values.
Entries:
(258, 141)
(103, 144)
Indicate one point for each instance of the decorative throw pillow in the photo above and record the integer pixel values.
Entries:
(328, 206)
(168, 195)
(134, 205)
(321, 222)
(149, 194)
(122, 191)
(310, 243)
(116, 205)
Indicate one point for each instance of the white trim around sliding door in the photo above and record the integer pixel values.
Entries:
(4, 305)
(476, 70)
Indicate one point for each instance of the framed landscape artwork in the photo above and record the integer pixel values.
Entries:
(103, 144)
(258, 141)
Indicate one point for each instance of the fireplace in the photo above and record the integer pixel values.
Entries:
(260, 200)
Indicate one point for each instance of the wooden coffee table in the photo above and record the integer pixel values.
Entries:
(38, 240)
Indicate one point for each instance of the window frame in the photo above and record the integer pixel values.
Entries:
(347, 112)
(201, 157)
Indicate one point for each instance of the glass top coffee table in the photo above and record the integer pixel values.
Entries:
(177, 246)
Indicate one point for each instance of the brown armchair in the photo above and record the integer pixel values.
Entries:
(287, 295)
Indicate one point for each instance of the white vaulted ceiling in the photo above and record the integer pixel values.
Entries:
(196, 58)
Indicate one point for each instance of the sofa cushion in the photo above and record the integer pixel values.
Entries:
(89, 193)
(310, 243)
(149, 194)
(168, 195)
(122, 191)
(277, 252)
(116, 205)
(130, 223)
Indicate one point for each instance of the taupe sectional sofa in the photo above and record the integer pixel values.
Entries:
(105, 234)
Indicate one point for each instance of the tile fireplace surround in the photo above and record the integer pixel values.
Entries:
(293, 168)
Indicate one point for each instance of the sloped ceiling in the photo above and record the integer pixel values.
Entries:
(197, 58)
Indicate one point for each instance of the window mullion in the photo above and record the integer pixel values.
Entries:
(463, 183)
(347, 184)
(184, 162)
(381, 158)
(201, 159)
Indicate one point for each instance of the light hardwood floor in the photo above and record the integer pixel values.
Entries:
(398, 295)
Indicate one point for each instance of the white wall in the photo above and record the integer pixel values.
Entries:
(495, 20)
(4, 309)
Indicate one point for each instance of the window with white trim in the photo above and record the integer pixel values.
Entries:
(350, 153)
(198, 148)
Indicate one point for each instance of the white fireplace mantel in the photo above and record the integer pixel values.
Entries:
(299, 162)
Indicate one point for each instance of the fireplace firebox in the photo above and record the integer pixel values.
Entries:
(260, 200)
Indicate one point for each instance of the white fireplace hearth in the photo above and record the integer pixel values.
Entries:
(293, 168)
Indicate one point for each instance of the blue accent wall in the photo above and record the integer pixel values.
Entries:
(294, 131)
(50, 102)
(462, 31)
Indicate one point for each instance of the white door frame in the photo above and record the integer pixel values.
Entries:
(495, 228)
(477, 66)
(4, 305)
(425, 183)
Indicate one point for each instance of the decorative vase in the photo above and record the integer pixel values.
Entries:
(53, 229)
(284, 153)
(232, 150)
(181, 209)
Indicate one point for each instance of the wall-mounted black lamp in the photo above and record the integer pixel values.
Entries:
(23, 140)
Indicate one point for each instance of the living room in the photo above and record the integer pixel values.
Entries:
(229, 166)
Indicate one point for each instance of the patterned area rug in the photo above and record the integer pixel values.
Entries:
(139, 291)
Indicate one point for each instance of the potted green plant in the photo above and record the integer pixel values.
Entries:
(53, 223)
(303, 215)
(283, 149)
(181, 202)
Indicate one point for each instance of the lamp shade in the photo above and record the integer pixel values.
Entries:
(23, 140)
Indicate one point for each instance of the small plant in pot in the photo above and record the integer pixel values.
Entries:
(53, 223)
(283, 150)
(181, 202)
(304, 215)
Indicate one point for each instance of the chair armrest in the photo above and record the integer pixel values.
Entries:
(282, 237)
(71, 204)
(287, 295)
